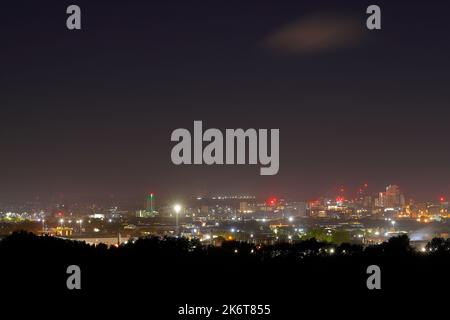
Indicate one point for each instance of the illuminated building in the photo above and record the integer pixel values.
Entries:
(391, 198)
(301, 209)
(317, 210)
(150, 207)
(434, 210)
(362, 198)
(150, 203)
(204, 209)
(243, 207)
(444, 205)
(63, 231)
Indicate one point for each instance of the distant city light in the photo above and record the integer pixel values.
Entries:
(272, 201)
(274, 218)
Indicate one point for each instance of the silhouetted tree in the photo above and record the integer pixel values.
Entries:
(438, 245)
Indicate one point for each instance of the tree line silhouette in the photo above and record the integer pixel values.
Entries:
(32, 261)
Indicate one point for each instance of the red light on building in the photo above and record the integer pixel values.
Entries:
(272, 201)
(442, 199)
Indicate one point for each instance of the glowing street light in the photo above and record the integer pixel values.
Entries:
(80, 222)
(177, 209)
(61, 221)
(393, 224)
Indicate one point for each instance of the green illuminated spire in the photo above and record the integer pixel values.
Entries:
(150, 202)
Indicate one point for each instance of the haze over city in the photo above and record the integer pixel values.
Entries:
(90, 113)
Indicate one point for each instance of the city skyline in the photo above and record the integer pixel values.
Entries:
(365, 219)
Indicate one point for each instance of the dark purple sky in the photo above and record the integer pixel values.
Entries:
(90, 112)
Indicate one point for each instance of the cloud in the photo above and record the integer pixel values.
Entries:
(316, 33)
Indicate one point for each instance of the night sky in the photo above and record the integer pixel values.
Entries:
(90, 112)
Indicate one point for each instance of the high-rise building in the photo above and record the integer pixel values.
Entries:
(301, 209)
(149, 209)
(243, 207)
(391, 198)
(150, 202)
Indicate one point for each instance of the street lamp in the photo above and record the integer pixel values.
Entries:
(61, 221)
(177, 209)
